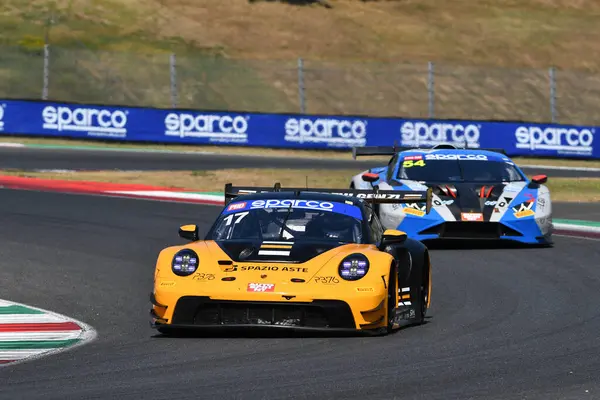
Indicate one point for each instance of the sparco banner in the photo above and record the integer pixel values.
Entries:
(288, 130)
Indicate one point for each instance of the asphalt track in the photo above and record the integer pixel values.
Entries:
(504, 324)
(31, 158)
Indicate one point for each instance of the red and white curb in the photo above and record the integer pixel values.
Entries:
(28, 333)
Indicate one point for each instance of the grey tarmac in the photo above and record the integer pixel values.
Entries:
(504, 324)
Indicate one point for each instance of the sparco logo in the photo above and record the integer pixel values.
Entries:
(223, 128)
(91, 120)
(2, 108)
(334, 132)
(566, 140)
(425, 134)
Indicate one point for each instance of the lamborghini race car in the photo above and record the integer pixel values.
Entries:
(295, 259)
(477, 194)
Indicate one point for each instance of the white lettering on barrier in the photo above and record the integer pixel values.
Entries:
(334, 132)
(2, 112)
(555, 138)
(214, 127)
(431, 134)
(97, 122)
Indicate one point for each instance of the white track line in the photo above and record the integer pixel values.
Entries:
(31, 318)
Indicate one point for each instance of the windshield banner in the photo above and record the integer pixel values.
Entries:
(306, 204)
(19, 117)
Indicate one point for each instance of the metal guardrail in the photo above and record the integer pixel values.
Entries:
(430, 90)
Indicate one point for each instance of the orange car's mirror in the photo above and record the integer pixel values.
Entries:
(392, 237)
(189, 232)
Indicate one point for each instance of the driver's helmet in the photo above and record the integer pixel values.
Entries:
(330, 225)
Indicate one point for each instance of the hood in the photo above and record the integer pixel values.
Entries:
(274, 251)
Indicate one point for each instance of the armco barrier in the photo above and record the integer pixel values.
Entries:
(287, 130)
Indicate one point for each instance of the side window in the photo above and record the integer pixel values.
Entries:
(391, 166)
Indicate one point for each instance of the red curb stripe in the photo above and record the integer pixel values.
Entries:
(98, 188)
(6, 361)
(40, 327)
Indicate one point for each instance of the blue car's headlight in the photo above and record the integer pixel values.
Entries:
(185, 262)
(354, 267)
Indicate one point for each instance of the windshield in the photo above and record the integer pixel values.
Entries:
(289, 220)
(459, 171)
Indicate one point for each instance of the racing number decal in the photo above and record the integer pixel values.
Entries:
(412, 163)
(240, 216)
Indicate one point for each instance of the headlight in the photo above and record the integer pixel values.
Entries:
(354, 267)
(185, 262)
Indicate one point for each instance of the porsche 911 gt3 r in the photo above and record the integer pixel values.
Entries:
(477, 194)
(295, 258)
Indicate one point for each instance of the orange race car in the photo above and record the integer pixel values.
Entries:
(295, 259)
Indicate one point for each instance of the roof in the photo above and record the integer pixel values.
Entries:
(305, 195)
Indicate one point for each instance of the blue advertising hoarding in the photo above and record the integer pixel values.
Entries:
(20, 117)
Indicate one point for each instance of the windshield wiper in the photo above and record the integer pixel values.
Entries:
(284, 222)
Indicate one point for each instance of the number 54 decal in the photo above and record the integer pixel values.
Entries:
(412, 163)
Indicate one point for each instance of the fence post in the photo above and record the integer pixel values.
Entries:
(552, 75)
(301, 93)
(46, 71)
(173, 74)
(431, 89)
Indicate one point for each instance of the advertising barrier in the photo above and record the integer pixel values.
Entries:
(20, 117)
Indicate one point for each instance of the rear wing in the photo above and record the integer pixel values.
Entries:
(375, 196)
(391, 150)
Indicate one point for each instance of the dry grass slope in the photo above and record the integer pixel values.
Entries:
(363, 57)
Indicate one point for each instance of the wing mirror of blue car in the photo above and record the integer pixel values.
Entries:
(392, 237)
(189, 232)
(370, 177)
(539, 179)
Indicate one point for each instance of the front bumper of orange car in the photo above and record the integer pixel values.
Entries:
(363, 310)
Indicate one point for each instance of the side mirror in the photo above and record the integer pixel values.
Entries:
(392, 237)
(189, 232)
(370, 177)
(539, 179)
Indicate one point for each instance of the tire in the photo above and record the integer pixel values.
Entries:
(392, 303)
(420, 288)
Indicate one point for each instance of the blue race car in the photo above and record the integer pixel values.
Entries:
(477, 194)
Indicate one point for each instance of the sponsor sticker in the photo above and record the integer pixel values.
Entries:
(480, 157)
(415, 212)
(422, 133)
(413, 158)
(334, 132)
(525, 213)
(564, 140)
(439, 203)
(2, 112)
(98, 122)
(215, 128)
(471, 217)
(261, 287)
(236, 206)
